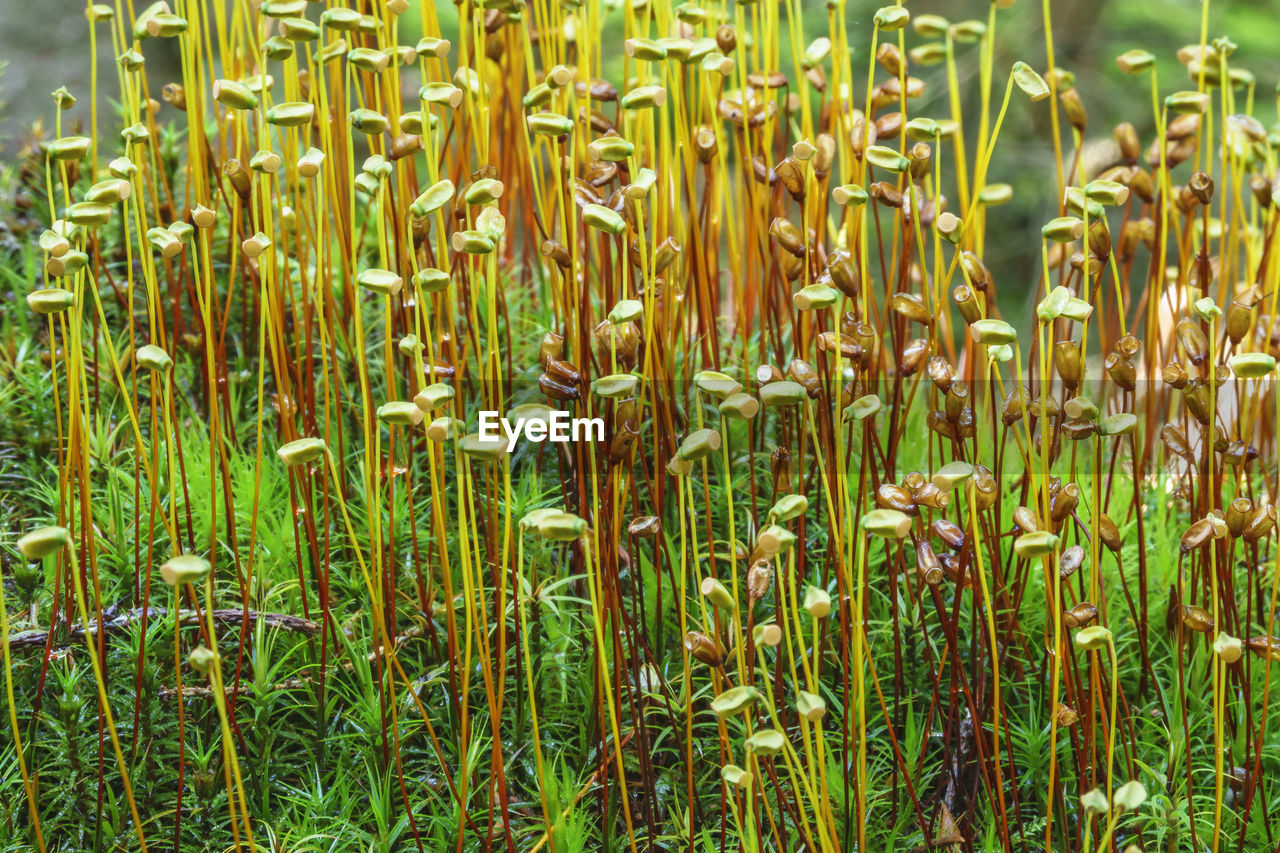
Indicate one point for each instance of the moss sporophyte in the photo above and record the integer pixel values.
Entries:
(627, 425)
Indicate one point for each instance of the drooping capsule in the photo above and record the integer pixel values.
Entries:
(1239, 321)
(949, 532)
(1192, 341)
(1199, 534)
(556, 389)
(1064, 502)
(931, 496)
(956, 399)
(1070, 561)
(1121, 371)
(986, 491)
(1109, 533)
(1195, 618)
(1261, 523)
(937, 421)
(912, 356)
(1265, 647)
(645, 527)
(890, 496)
(704, 649)
(803, 374)
(788, 236)
(1068, 363)
(1078, 429)
(780, 469)
(759, 579)
(1015, 405)
(912, 307)
(1082, 615)
(941, 373)
(1238, 513)
(1195, 397)
(927, 564)
(967, 303)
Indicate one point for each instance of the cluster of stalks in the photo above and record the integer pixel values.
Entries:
(851, 538)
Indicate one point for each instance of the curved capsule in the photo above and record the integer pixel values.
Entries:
(890, 496)
(1070, 561)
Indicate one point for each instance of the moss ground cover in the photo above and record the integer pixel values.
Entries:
(865, 543)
